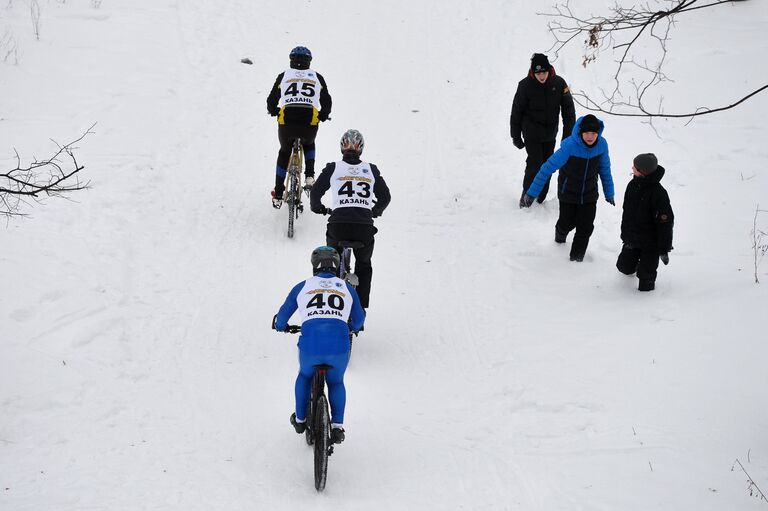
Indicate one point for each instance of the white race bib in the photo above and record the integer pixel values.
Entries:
(324, 297)
(300, 87)
(352, 185)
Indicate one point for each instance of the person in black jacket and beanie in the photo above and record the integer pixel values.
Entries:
(354, 184)
(646, 224)
(540, 98)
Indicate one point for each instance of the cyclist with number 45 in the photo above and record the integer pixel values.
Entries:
(329, 309)
(299, 99)
(354, 184)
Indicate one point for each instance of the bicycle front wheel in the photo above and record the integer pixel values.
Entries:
(293, 194)
(322, 437)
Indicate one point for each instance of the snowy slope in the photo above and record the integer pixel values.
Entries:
(138, 370)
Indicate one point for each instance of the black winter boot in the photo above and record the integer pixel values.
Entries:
(560, 236)
(646, 285)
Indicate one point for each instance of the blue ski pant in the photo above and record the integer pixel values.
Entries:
(334, 378)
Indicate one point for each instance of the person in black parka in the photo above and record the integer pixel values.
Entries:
(540, 99)
(646, 224)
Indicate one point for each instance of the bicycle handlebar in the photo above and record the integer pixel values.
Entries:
(295, 329)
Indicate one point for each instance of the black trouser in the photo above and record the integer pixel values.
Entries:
(363, 269)
(581, 217)
(538, 153)
(286, 134)
(644, 261)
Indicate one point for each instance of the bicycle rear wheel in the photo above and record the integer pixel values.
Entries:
(322, 437)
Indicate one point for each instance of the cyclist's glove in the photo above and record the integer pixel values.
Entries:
(320, 210)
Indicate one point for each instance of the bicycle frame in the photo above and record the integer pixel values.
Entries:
(345, 266)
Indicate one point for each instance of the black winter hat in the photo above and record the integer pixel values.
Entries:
(540, 63)
(646, 163)
(589, 123)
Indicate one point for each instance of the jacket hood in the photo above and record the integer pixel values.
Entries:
(654, 177)
(575, 144)
(577, 127)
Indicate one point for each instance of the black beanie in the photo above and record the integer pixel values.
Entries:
(540, 63)
(589, 123)
(646, 163)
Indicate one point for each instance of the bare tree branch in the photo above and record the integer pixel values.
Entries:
(50, 177)
(623, 30)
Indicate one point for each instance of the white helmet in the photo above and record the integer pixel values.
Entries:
(352, 140)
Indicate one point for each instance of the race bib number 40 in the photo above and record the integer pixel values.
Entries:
(324, 298)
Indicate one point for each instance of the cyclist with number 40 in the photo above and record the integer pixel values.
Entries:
(329, 309)
(299, 99)
(358, 194)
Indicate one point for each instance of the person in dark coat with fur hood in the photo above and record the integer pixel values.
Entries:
(540, 99)
(646, 224)
(582, 157)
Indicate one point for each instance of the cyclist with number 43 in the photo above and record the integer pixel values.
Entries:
(329, 309)
(354, 184)
(299, 99)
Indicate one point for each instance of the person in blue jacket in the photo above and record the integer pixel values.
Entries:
(329, 309)
(582, 157)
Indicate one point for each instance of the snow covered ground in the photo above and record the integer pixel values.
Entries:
(138, 370)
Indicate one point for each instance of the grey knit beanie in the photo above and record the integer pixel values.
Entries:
(646, 163)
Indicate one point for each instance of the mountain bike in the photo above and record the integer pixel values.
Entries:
(293, 184)
(345, 272)
(345, 266)
(318, 432)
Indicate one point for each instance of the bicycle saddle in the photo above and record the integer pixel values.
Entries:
(351, 244)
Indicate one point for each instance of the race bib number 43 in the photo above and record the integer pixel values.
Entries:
(352, 186)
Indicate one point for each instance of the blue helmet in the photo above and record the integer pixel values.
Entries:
(325, 259)
(300, 57)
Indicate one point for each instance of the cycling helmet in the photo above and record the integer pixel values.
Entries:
(325, 259)
(352, 140)
(300, 57)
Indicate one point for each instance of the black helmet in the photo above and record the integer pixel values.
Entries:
(325, 259)
(300, 57)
